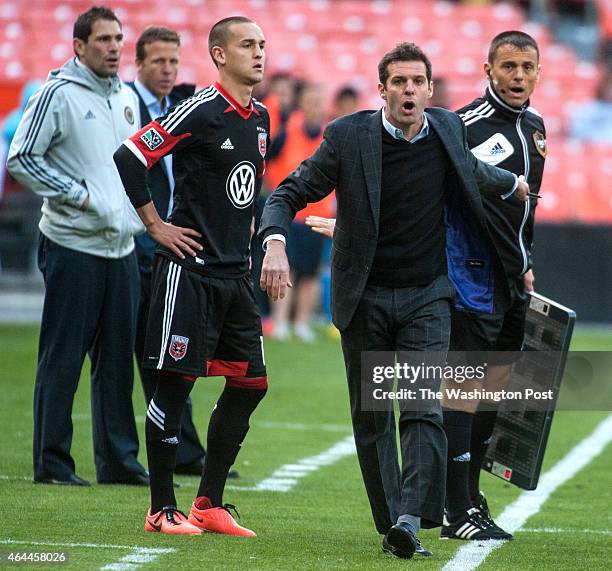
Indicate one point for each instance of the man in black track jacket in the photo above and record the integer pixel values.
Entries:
(502, 130)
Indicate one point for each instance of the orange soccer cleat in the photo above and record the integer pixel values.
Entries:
(170, 520)
(216, 520)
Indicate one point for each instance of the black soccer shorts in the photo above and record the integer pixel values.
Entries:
(477, 331)
(203, 326)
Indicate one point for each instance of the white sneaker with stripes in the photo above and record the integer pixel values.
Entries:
(472, 527)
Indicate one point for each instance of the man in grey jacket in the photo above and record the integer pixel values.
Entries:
(63, 151)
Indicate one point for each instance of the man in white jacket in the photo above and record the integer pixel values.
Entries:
(63, 151)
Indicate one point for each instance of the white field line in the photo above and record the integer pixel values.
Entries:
(346, 428)
(561, 530)
(275, 425)
(286, 477)
(472, 554)
(137, 557)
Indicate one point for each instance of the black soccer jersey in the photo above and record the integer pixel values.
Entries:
(218, 152)
(513, 139)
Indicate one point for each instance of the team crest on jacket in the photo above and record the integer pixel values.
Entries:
(262, 138)
(129, 114)
(539, 141)
(178, 347)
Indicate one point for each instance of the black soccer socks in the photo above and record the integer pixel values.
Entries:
(228, 426)
(458, 427)
(162, 429)
(482, 430)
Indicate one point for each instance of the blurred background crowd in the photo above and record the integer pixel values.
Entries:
(322, 60)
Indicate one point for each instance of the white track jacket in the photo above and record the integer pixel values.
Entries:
(63, 151)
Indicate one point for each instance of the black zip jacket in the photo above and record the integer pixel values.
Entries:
(513, 139)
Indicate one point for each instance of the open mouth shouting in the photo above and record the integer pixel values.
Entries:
(408, 106)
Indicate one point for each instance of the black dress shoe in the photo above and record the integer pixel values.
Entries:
(400, 541)
(72, 480)
(192, 469)
(138, 480)
(420, 550)
(132, 480)
(195, 469)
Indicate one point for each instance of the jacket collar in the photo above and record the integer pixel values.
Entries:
(149, 99)
(498, 103)
(399, 134)
(77, 72)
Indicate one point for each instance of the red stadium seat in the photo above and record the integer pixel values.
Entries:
(340, 41)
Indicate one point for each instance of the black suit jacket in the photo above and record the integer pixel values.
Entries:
(349, 159)
(157, 178)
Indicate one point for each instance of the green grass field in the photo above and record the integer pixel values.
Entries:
(322, 523)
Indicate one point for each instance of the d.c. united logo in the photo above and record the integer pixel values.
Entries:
(262, 139)
(178, 347)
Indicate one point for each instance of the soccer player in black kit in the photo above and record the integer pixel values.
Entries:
(203, 320)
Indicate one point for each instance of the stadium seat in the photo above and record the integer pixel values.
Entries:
(335, 42)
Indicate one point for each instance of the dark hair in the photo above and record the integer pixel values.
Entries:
(346, 92)
(220, 32)
(280, 76)
(85, 21)
(154, 34)
(402, 52)
(519, 40)
(602, 87)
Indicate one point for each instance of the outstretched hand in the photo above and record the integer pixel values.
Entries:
(321, 225)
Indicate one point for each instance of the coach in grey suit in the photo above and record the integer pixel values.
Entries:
(408, 198)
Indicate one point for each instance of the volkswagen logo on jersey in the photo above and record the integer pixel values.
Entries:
(240, 184)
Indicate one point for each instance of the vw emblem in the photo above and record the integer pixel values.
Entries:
(240, 184)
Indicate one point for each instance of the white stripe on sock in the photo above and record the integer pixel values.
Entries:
(154, 420)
